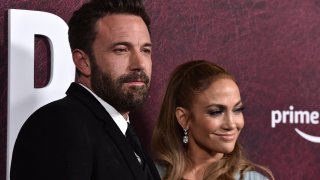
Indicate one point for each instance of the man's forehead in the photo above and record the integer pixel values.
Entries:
(121, 26)
(121, 21)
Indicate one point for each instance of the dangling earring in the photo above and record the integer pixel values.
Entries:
(185, 138)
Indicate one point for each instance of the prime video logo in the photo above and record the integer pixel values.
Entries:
(293, 116)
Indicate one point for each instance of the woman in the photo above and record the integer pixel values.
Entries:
(196, 136)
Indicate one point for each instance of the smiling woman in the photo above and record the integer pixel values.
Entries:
(214, 119)
(196, 136)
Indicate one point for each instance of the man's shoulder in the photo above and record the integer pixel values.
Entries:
(75, 100)
(66, 110)
(58, 106)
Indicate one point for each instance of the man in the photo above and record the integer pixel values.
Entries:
(84, 136)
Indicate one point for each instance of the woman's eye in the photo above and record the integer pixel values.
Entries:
(239, 110)
(215, 113)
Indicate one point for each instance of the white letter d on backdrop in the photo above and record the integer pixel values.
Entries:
(23, 98)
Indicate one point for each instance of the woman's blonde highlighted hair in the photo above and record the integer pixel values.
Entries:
(185, 83)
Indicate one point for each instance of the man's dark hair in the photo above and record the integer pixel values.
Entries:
(82, 24)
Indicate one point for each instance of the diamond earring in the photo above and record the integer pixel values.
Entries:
(185, 138)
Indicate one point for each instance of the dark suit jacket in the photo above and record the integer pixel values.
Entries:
(74, 138)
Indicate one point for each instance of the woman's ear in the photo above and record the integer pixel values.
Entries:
(182, 116)
(81, 61)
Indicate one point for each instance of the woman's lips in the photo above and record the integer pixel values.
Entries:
(227, 136)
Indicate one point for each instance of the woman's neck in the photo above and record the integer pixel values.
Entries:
(199, 163)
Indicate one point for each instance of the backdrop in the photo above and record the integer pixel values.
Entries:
(272, 47)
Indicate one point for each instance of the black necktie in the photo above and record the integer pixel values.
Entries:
(134, 142)
(133, 139)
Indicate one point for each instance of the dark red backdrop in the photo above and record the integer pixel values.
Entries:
(272, 47)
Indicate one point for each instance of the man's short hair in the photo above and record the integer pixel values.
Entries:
(82, 25)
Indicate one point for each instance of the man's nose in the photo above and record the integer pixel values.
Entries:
(137, 61)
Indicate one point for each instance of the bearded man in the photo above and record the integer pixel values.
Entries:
(87, 134)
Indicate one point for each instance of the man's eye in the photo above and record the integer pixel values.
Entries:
(146, 50)
(120, 50)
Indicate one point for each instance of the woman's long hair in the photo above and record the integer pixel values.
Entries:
(185, 83)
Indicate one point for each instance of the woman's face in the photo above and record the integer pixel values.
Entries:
(216, 118)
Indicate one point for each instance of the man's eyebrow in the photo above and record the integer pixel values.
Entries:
(147, 45)
(125, 43)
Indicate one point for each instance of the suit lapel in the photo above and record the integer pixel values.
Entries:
(111, 128)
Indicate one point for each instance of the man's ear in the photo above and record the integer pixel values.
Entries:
(182, 116)
(81, 61)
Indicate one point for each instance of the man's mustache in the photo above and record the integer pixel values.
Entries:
(134, 76)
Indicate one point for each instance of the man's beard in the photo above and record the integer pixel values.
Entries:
(122, 98)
